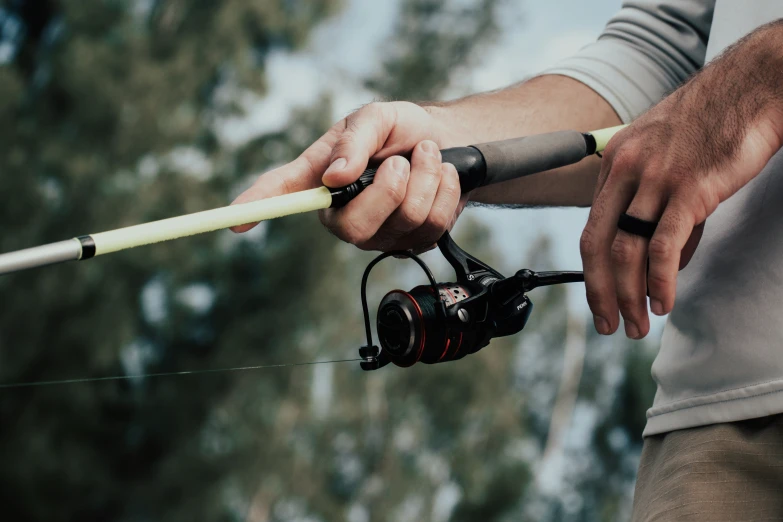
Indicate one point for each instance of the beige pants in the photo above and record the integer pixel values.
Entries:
(723, 472)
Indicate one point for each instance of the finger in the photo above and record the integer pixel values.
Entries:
(664, 250)
(360, 219)
(606, 168)
(595, 247)
(426, 174)
(690, 245)
(442, 215)
(301, 174)
(629, 260)
(365, 132)
(611, 151)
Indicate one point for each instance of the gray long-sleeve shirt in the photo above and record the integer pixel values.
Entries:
(721, 355)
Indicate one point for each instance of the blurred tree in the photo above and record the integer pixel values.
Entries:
(434, 41)
(108, 111)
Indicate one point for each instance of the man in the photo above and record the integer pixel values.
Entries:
(708, 152)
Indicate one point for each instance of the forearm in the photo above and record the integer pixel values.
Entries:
(543, 104)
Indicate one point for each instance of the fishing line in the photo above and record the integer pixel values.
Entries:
(164, 374)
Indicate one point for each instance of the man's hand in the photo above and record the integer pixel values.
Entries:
(407, 210)
(674, 165)
(411, 201)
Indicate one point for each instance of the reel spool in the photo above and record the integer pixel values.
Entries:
(411, 329)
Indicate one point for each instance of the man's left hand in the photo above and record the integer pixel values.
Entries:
(675, 165)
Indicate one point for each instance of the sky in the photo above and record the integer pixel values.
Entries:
(535, 35)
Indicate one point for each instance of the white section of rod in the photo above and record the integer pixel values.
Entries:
(68, 250)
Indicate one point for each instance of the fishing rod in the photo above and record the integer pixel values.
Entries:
(477, 166)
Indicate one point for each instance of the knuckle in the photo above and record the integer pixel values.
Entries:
(343, 145)
(659, 248)
(438, 222)
(623, 252)
(654, 177)
(587, 244)
(682, 212)
(628, 305)
(594, 299)
(433, 170)
(452, 193)
(374, 111)
(411, 215)
(708, 198)
(346, 140)
(375, 108)
(610, 151)
(623, 159)
(658, 282)
(395, 192)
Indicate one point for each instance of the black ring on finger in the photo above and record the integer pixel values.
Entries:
(636, 226)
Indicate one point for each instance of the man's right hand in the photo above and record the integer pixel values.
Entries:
(410, 202)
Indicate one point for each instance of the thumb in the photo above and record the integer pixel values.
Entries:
(365, 133)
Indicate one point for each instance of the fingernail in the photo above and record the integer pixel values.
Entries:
(430, 148)
(400, 166)
(337, 165)
(656, 306)
(601, 325)
(631, 330)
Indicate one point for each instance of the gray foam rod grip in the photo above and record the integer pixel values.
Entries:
(520, 157)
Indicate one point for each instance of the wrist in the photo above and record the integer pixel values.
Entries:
(733, 103)
(450, 126)
(767, 71)
(754, 70)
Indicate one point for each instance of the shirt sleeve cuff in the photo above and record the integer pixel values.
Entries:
(621, 74)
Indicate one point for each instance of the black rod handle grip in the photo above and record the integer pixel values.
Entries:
(488, 163)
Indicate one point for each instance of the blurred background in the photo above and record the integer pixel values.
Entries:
(117, 112)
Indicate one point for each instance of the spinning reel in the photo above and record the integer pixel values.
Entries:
(442, 322)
